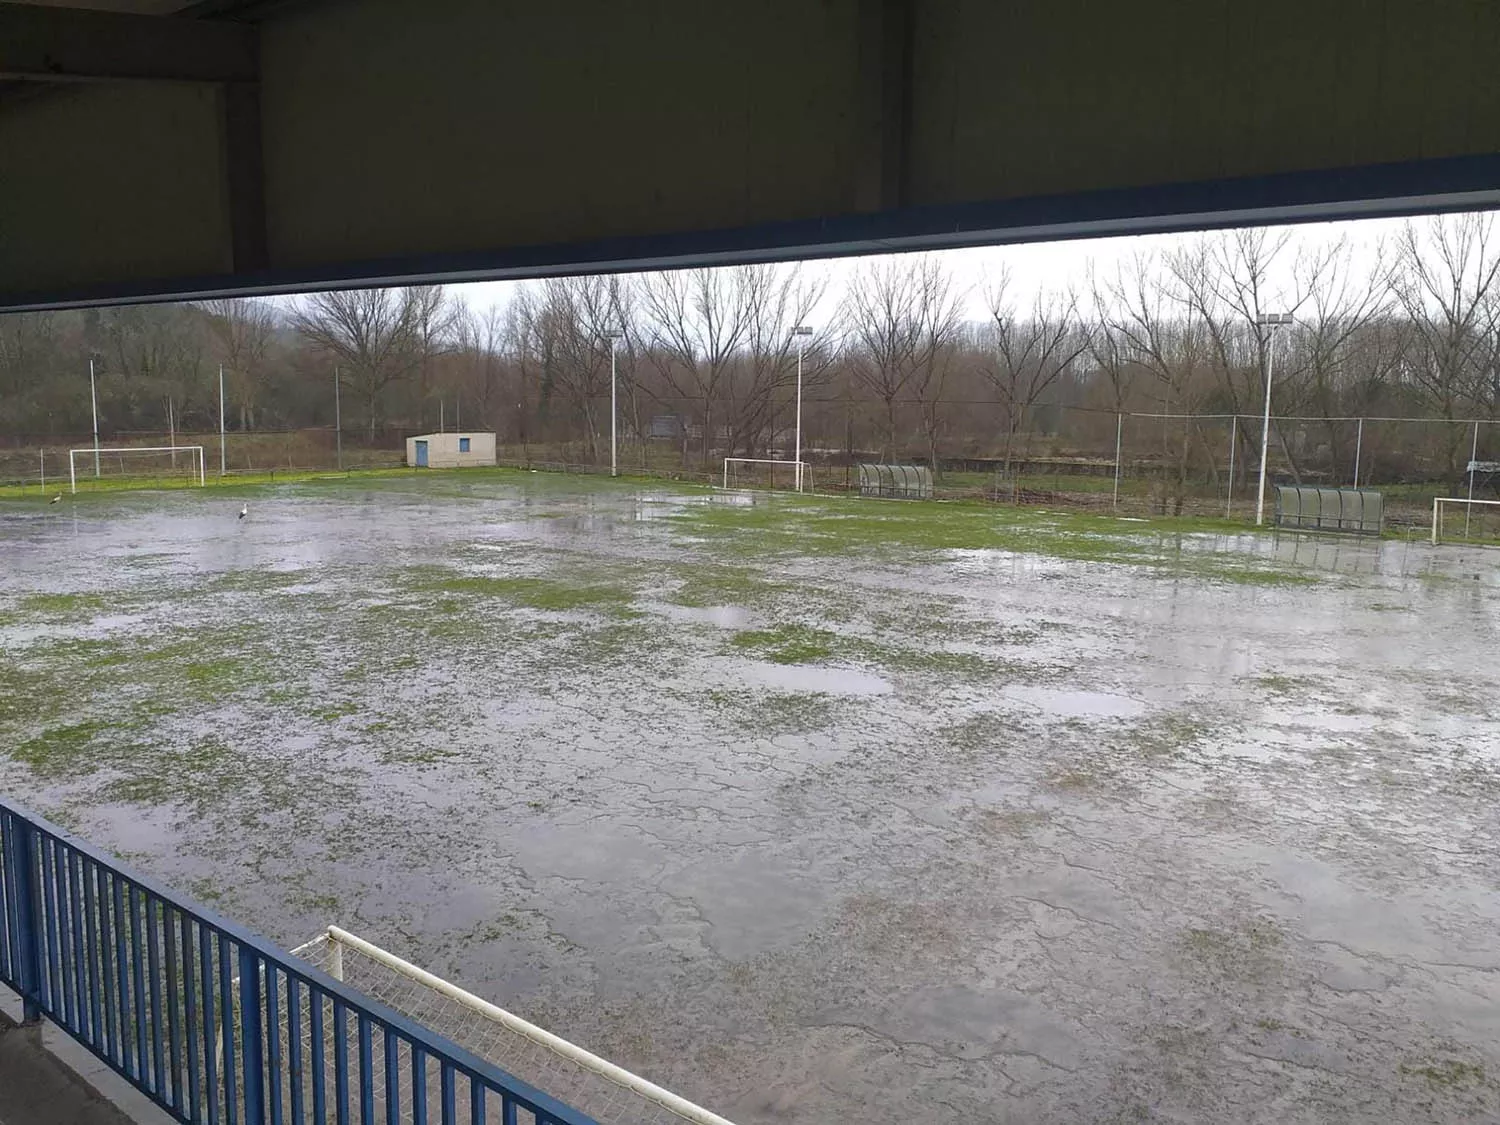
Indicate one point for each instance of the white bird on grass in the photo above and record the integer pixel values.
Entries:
(56, 499)
(244, 510)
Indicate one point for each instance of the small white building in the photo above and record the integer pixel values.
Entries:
(450, 450)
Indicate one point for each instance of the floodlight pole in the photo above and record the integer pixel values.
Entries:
(614, 398)
(1119, 435)
(1272, 321)
(221, 420)
(338, 423)
(1234, 433)
(94, 398)
(801, 332)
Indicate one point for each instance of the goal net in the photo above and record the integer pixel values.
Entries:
(121, 466)
(1459, 520)
(759, 472)
(607, 1093)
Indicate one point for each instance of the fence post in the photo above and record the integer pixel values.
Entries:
(26, 896)
(251, 1053)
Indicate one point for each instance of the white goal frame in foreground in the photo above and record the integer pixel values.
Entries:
(798, 471)
(411, 991)
(73, 457)
(1437, 512)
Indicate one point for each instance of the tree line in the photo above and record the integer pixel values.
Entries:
(903, 363)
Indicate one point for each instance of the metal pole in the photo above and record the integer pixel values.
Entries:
(1234, 433)
(1473, 455)
(1119, 432)
(338, 422)
(29, 932)
(1359, 444)
(221, 419)
(72, 472)
(1265, 433)
(614, 414)
(798, 454)
(171, 432)
(42, 453)
(94, 398)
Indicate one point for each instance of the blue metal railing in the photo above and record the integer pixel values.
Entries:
(212, 1023)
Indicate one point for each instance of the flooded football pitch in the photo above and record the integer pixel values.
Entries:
(811, 810)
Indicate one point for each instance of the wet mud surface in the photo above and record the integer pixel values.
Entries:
(807, 810)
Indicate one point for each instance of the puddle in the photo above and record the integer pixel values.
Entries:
(723, 616)
(1077, 704)
(814, 678)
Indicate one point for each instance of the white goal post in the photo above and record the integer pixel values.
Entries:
(121, 449)
(799, 468)
(1437, 513)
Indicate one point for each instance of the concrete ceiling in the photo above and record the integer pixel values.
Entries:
(289, 144)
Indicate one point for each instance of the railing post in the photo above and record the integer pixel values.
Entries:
(26, 895)
(251, 1053)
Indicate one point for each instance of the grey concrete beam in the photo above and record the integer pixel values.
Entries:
(73, 45)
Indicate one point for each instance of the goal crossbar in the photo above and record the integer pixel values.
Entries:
(1437, 511)
(798, 467)
(99, 452)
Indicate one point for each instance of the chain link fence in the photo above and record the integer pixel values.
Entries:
(1127, 462)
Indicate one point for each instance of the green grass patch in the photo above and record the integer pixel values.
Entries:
(1447, 1074)
(707, 584)
(68, 748)
(1247, 950)
(787, 644)
(26, 693)
(771, 713)
(835, 526)
(61, 605)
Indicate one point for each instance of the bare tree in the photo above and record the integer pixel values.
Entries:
(1027, 353)
(903, 317)
(242, 330)
(377, 337)
(1342, 306)
(564, 327)
(697, 322)
(779, 298)
(1445, 283)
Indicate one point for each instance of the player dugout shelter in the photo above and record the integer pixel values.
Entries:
(1304, 508)
(450, 451)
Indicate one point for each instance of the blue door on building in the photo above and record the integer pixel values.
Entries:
(421, 455)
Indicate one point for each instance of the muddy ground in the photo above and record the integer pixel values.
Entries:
(811, 810)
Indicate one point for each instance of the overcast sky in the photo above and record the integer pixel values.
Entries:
(1045, 265)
